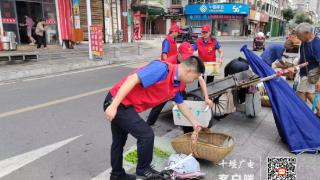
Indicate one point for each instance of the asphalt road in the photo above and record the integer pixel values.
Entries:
(54, 127)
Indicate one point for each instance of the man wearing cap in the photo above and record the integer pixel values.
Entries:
(184, 52)
(169, 45)
(145, 88)
(207, 46)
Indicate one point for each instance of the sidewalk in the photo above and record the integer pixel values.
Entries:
(56, 60)
(256, 140)
(246, 38)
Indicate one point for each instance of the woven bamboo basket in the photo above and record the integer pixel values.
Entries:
(210, 146)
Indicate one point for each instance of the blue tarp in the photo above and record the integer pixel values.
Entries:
(296, 123)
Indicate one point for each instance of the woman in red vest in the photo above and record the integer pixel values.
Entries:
(143, 89)
(207, 47)
(185, 51)
(169, 45)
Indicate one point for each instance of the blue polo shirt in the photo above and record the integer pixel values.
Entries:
(165, 46)
(273, 53)
(157, 71)
(310, 51)
(216, 45)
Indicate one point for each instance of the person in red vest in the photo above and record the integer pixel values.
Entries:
(207, 47)
(145, 88)
(169, 45)
(185, 51)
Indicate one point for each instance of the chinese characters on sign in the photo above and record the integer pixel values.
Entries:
(226, 17)
(51, 22)
(8, 20)
(96, 41)
(238, 165)
(213, 16)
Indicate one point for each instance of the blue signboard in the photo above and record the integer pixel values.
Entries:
(202, 9)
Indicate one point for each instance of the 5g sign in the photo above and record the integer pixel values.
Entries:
(236, 9)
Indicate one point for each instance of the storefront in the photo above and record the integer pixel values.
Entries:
(174, 16)
(13, 12)
(264, 19)
(225, 19)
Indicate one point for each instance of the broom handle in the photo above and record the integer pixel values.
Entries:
(283, 71)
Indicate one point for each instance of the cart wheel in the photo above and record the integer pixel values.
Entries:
(220, 103)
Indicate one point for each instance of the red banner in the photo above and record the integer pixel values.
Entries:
(138, 25)
(64, 19)
(96, 38)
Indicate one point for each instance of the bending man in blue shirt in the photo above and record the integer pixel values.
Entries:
(275, 52)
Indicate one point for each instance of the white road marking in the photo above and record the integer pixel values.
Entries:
(103, 176)
(9, 165)
(54, 102)
(7, 83)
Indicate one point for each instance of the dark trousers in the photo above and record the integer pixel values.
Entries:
(41, 40)
(126, 121)
(209, 80)
(154, 113)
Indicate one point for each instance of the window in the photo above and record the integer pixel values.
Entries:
(176, 2)
(201, 1)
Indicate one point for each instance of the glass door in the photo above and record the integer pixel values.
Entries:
(9, 17)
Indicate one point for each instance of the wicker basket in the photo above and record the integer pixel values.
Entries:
(210, 146)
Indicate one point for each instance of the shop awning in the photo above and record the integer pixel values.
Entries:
(152, 7)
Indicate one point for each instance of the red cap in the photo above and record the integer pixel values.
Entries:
(205, 28)
(186, 50)
(175, 28)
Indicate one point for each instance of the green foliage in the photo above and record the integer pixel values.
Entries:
(288, 14)
(302, 17)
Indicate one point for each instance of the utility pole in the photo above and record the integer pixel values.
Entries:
(89, 22)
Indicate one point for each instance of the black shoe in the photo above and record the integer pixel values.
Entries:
(150, 123)
(123, 177)
(148, 173)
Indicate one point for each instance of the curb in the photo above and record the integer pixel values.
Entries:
(47, 70)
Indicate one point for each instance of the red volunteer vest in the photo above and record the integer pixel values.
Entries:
(144, 98)
(207, 52)
(173, 50)
(172, 60)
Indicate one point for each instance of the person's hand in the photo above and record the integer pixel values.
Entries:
(291, 69)
(209, 102)
(196, 129)
(318, 86)
(111, 112)
(220, 60)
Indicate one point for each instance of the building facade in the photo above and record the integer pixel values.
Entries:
(67, 18)
(226, 18)
(13, 12)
